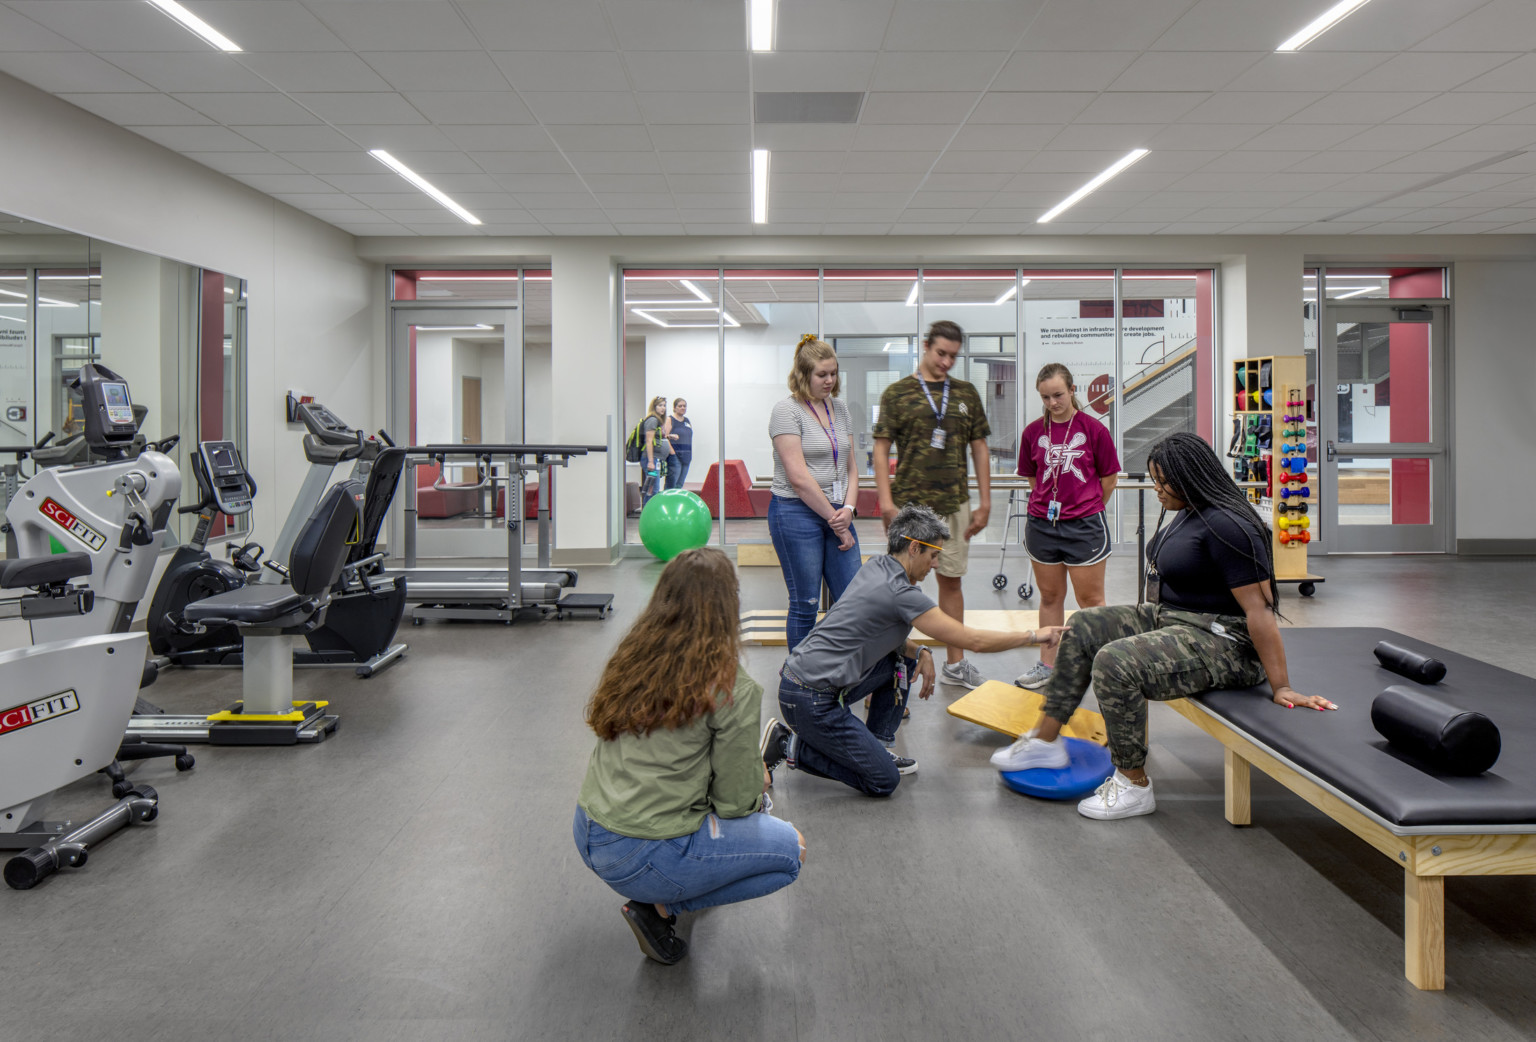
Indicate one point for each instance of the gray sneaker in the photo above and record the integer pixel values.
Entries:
(962, 673)
(1036, 677)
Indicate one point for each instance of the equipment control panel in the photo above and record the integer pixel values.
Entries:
(228, 479)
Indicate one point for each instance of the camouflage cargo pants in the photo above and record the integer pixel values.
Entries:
(1133, 653)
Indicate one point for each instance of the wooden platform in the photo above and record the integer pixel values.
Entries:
(762, 555)
(765, 626)
(1012, 710)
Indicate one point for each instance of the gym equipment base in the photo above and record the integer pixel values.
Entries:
(309, 722)
(51, 845)
(1433, 825)
(1306, 585)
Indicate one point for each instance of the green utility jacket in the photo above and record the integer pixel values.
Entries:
(661, 786)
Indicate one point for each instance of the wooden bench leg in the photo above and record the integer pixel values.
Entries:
(1238, 788)
(1424, 930)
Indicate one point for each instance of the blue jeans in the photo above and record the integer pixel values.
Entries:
(808, 553)
(830, 742)
(677, 470)
(726, 860)
(652, 483)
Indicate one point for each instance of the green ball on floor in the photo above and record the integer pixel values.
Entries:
(674, 521)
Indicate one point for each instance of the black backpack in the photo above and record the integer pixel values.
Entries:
(634, 445)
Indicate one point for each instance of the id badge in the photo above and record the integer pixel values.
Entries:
(1154, 588)
(1053, 510)
(939, 434)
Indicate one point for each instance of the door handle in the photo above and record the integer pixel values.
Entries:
(1333, 453)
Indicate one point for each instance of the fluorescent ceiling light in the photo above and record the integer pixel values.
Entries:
(730, 323)
(467, 278)
(1072, 200)
(13, 318)
(912, 297)
(759, 186)
(762, 24)
(49, 302)
(1327, 20)
(1011, 291)
(422, 183)
(197, 25)
(13, 293)
(696, 291)
(66, 278)
(1357, 292)
(896, 345)
(439, 329)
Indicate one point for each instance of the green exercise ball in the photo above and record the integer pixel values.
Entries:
(674, 521)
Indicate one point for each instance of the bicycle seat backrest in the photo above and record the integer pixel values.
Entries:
(323, 543)
(49, 568)
(383, 480)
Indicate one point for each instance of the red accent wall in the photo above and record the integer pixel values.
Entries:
(210, 384)
(1408, 352)
(1205, 362)
(405, 285)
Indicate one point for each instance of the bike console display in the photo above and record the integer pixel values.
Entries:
(228, 481)
(108, 410)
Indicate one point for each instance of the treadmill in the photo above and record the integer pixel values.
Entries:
(497, 594)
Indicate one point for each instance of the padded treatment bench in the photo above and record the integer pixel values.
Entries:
(1435, 825)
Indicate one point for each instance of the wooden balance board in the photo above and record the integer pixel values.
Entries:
(765, 626)
(1013, 710)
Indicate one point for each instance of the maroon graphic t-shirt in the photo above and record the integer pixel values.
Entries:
(1065, 462)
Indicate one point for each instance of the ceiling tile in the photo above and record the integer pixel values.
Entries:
(968, 182)
(692, 108)
(1024, 137)
(888, 162)
(360, 108)
(1517, 75)
(1061, 161)
(397, 138)
(178, 71)
(1359, 107)
(704, 137)
(147, 110)
(925, 71)
(650, 184)
(678, 25)
(518, 139)
(198, 139)
(1183, 71)
(1397, 136)
(722, 162)
(379, 180)
(916, 107)
(626, 162)
(849, 25)
(1031, 106)
(1251, 107)
(1140, 106)
(328, 200)
(437, 70)
(314, 70)
(1066, 71)
(354, 161)
(245, 162)
(68, 71)
(1335, 161)
(684, 185)
(1504, 25)
(1234, 25)
(1434, 162)
(892, 136)
(1469, 107)
(563, 70)
(937, 25)
(299, 139)
(1178, 160)
(878, 184)
(1500, 137)
(268, 25)
(572, 25)
(547, 202)
(524, 162)
(1202, 136)
(20, 33)
(856, 228)
(1102, 25)
(1423, 71)
(1316, 136)
(1001, 161)
(426, 25)
(110, 25)
(1307, 70)
(579, 138)
(801, 162)
(804, 137)
(817, 71)
(601, 108)
(687, 70)
(265, 109)
(435, 162)
(459, 108)
(289, 183)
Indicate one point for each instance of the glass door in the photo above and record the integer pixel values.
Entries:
(1384, 480)
(457, 380)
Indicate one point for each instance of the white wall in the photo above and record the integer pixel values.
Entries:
(312, 300)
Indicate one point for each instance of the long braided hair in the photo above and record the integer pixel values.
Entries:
(1190, 469)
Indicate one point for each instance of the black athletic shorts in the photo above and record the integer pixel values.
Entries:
(1078, 542)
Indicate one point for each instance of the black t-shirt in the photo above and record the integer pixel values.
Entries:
(1201, 557)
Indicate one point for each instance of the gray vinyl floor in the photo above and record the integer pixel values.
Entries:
(414, 877)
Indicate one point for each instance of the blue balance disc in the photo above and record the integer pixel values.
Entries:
(1088, 765)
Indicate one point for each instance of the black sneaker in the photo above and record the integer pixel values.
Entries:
(654, 932)
(775, 744)
(904, 764)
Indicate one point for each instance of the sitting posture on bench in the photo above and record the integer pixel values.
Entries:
(1211, 624)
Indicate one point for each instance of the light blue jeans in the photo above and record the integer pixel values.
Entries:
(725, 861)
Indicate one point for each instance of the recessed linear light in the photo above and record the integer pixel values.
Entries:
(759, 186)
(13, 293)
(1005, 298)
(467, 278)
(13, 318)
(49, 302)
(1072, 200)
(644, 313)
(197, 25)
(1325, 21)
(66, 278)
(426, 186)
(761, 15)
(442, 329)
(1357, 292)
(696, 291)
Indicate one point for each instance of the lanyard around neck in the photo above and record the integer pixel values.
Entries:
(830, 430)
(938, 410)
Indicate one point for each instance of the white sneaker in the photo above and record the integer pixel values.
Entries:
(1118, 797)
(1029, 753)
(962, 673)
(1034, 679)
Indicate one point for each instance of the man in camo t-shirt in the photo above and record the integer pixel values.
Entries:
(933, 422)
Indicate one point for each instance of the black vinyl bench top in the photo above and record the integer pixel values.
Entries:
(1342, 749)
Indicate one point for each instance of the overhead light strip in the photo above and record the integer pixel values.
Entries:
(759, 186)
(696, 291)
(197, 25)
(426, 186)
(1327, 20)
(1073, 199)
(761, 14)
(442, 329)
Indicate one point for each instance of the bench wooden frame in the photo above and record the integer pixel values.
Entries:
(1427, 857)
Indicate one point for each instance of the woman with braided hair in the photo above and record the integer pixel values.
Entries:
(815, 486)
(1209, 623)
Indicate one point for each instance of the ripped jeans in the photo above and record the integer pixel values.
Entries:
(726, 860)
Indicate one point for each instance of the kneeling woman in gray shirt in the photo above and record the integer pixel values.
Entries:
(861, 647)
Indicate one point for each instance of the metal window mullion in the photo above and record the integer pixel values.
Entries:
(720, 394)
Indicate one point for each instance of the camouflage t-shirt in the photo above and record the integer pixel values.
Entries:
(936, 478)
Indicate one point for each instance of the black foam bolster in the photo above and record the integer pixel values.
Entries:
(1443, 736)
(1410, 664)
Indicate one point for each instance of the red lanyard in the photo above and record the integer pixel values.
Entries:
(1050, 444)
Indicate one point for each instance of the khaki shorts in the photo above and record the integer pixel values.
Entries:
(956, 554)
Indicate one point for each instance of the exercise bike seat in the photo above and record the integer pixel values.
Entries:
(260, 604)
(44, 570)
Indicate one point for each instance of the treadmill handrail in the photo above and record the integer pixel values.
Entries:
(513, 449)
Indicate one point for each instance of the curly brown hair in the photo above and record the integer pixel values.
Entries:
(677, 661)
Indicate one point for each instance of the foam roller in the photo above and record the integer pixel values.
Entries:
(1410, 664)
(1440, 735)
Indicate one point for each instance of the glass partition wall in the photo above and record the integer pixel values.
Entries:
(1138, 341)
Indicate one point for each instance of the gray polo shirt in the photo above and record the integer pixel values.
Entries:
(869, 621)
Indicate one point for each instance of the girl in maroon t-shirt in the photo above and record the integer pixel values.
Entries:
(1070, 462)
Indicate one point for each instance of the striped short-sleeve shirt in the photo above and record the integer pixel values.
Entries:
(793, 416)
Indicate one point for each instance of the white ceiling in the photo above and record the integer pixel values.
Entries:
(633, 117)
